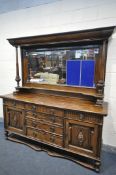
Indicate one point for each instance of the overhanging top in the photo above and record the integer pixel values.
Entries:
(97, 34)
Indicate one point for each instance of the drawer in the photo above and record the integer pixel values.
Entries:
(86, 117)
(14, 103)
(43, 109)
(44, 126)
(45, 117)
(44, 136)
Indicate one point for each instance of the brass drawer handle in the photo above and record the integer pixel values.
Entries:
(52, 111)
(14, 103)
(33, 108)
(52, 118)
(34, 124)
(34, 115)
(81, 117)
(52, 129)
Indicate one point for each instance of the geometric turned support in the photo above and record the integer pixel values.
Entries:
(100, 91)
(17, 70)
(97, 166)
(100, 87)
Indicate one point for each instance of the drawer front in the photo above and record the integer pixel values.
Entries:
(14, 103)
(44, 136)
(42, 109)
(44, 126)
(46, 118)
(33, 107)
(85, 117)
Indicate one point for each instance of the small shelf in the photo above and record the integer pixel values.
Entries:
(64, 91)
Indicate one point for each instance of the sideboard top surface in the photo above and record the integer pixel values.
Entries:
(75, 104)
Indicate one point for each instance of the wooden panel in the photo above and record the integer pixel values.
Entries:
(85, 117)
(79, 36)
(45, 137)
(15, 119)
(46, 118)
(33, 107)
(14, 103)
(43, 126)
(44, 109)
(59, 103)
(81, 137)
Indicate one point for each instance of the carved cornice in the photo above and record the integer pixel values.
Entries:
(97, 34)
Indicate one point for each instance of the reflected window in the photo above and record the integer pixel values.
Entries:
(66, 66)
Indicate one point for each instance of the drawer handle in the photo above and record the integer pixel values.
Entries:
(52, 118)
(52, 138)
(52, 129)
(81, 117)
(52, 111)
(34, 124)
(14, 103)
(34, 108)
(34, 115)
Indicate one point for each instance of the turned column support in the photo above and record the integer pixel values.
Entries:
(17, 69)
(100, 92)
(100, 87)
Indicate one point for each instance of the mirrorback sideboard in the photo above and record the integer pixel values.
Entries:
(59, 106)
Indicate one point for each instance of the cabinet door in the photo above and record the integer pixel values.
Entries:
(81, 137)
(14, 119)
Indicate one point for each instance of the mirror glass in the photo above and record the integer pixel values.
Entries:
(63, 66)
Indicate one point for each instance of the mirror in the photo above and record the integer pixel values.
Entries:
(72, 66)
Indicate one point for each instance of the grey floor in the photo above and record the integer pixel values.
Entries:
(18, 159)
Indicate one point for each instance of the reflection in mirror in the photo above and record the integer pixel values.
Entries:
(66, 66)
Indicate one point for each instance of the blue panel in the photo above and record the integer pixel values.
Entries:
(87, 73)
(73, 72)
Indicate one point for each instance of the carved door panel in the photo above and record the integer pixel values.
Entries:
(81, 137)
(14, 119)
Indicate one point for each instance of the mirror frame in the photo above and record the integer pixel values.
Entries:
(98, 36)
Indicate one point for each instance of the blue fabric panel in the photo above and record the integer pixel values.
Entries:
(87, 73)
(73, 72)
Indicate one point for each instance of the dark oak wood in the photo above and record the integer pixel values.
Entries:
(65, 121)
(17, 69)
(89, 37)
(98, 34)
(68, 103)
